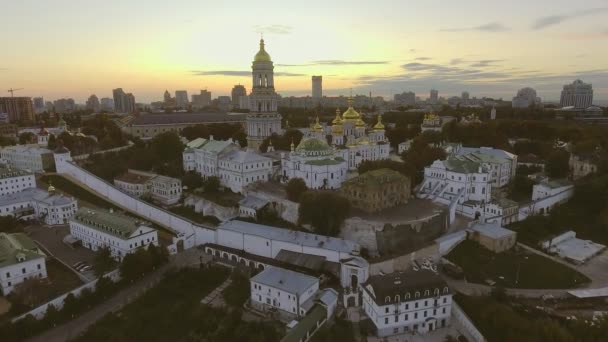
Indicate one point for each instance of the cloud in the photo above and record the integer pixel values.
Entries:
(552, 20)
(335, 62)
(238, 73)
(423, 58)
(485, 63)
(455, 61)
(489, 27)
(274, 29)
(595, 35)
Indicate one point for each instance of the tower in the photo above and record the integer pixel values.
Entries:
(317, 89)
(263, 119)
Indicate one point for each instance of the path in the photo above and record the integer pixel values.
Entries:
(354, 316)
(214, 298)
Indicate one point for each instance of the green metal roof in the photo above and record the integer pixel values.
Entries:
(8, 173)
(335, 161)
(313, 144)
(307, 324)
(462, 166)
(115, 224)
(17, 246)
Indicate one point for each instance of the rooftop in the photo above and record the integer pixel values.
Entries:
(133, 178)
(208, 145)
(486, 150)
(493, 230)
(556, 183)
(16, 248)
(35, 194)
(461, 166)
(401, 283)
(308, 323)
(185, 118)
(253, 202)
(112, 223)
(285, 280)
(245, 157)
(376, 178)
(26, 149)
(9, 173)
(291, 236)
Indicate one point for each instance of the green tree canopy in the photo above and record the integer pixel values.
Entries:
(325, 211)
(295, 188)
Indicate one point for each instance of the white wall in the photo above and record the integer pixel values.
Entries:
(18, 276)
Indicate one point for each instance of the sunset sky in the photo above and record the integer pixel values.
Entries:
(69, 48)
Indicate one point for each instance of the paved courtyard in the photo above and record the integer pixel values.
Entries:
(434, 336)
(51, 239)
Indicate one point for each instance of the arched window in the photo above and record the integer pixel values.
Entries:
(417, 295)
(387, 299)
(427, 292)
(446, 290)
(436, 292)
(397, 299)
(407, 296)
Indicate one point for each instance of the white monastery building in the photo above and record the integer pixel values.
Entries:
(226, 160)
(15, 180)
(166, 190)
(20, 259)
(407, 302)
(27, 157)
(121, 234)
(34, 203)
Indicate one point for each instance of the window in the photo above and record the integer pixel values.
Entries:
(386, 320)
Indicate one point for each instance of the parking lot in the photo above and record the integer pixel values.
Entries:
(51, 238)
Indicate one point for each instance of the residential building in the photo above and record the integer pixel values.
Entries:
(317, 88)
(502, 210)
(577, 94)
(8, 130)
(263, 119)
(123, 102)
(492, 236)
(38, 103)
(405, 99)
(181, 99)
(525, 98)
(64, 105)
(434, 96)
(239, 97)
(376, 190)
(465, 97)
(407, 302)
(150, 125)
(93, 103)
(163, 189)
(20, 259)
(250, 205)
(122, 234)
(201, 100)
(107, 104)
(224, 103)
(501, 164)
(18, 109)
(27, 157)
(226, 160)
(548, 188)
(34, 203)
(284, 290)
(582, 165)
(15, 180)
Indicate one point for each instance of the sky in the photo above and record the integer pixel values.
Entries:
(69, 48)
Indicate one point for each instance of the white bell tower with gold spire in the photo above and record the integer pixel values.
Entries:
(263, 119)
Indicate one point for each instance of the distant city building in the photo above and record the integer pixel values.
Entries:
(119, 233)
(123, 102)
(181, 99)
(239, 97)
(525, 98)
(224, 103)
(578, 95)
(405, 99)
(493, 113)
(38, 105)
(93, 103)
(64, 105)
(166, 190)
(226, 160)
(407, 302)
(107, 104)
(434, 97)
(465, 97)
(21, 259)
(150, 125)
(27, 157)
(376, 190)
(201, 100)
(263, 120)
(583, 165)
(18, 109)
(317, 88)
(8, 130)
(34, 203)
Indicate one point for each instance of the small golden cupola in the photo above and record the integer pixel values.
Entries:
(338, 119)
(317, 127)
(351, 114)
(379, 126)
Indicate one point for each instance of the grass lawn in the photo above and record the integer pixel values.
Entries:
(172, 311)
(535, 271)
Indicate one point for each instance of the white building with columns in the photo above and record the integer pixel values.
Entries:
(263, 119)
(414, 302)
(234, 167)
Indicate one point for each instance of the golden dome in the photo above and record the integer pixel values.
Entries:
(317, 127)
(51, 188)
(262, 55)
(351, 114)
(338, 119)
(379, 126)
(360, 123)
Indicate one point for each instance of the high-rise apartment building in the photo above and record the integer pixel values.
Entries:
(577, 94)
(181, 99)
(38, 104)
(465, 96)
(93, 103)
(64, 105)
(317, 87)
(201, 100)
(405, 99)
(434, 98)
(17, 108)
(239, 97)
(123, 102)
(107, 104)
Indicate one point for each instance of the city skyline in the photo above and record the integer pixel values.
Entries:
(386, 49)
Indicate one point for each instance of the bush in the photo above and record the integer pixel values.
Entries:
(325, 211)
(295, 188)
(237, 293)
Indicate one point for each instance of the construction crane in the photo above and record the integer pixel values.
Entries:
(12, 91)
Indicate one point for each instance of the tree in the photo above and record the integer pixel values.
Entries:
(192, 180)
(557, 165)
(52, 143)
(324, 210)
(212, 184)
(167, 146)
(370, 165)
(103, 261)
(295, 188)
(26, 138)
